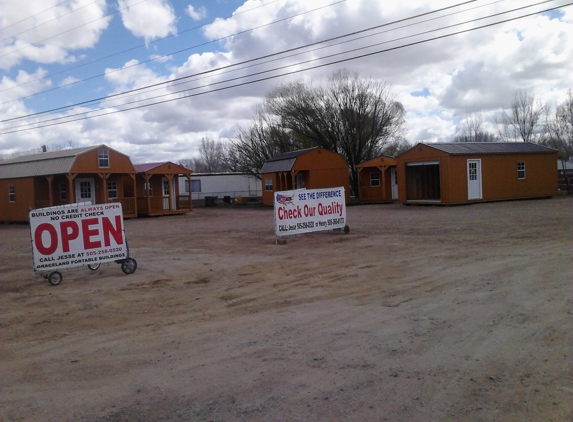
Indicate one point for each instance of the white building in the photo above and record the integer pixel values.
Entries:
(222, 185)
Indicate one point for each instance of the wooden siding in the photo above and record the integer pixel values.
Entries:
(499, 179)
(370, 194)
(320, 168)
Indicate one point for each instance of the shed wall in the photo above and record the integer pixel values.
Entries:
(24, 194)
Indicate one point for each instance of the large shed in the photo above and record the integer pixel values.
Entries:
(96, 174)
(158, 191)
(377, 181)
(468, 172)
(312, 168)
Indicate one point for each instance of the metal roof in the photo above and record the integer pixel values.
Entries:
(276, 166)
(42, 164)
(142, 168)
(468, 148)
(292, 154)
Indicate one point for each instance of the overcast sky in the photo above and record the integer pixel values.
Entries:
(70, 69)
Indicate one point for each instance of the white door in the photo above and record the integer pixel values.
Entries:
(474, 179)
(165, 192)
(394, 183)
(85, 190)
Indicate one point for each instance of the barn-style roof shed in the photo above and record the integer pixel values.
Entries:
(467, 172)
(312, 168)
(96, 174)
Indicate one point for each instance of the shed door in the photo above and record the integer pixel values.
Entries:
(474, 179)
(394, 183)
(85, 191)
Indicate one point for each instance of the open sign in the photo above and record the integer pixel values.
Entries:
(76, 234)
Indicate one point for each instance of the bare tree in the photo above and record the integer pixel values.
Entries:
(523, 121)
(211, 160)
(473, 130)
(560, 132)
(353, 116)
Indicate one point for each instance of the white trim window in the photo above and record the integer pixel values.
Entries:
(63, 192)
(111, 190)
(374, 180)
(521, 170)
(103, 158)
(145, 187)
(11, 194)
(268, 185)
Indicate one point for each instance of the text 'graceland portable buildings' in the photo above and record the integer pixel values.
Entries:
(158, 191)
(312, 168)
(377, 180)
(468, 172)
(96, 174)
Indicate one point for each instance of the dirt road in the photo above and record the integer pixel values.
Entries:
(419, 314)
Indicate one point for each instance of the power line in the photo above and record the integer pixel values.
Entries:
(233, 65)
(72, 29)
(295, 71)
(116, 54)
(51, 20)
(36, 14)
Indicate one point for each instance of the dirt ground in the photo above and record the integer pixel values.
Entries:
(419, 314)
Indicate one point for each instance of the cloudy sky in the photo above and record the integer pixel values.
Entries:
(152, 77)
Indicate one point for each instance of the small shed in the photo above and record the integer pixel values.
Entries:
(312, 168)
(377, 181)
(467, 172)
(158, 191)
(96, 174)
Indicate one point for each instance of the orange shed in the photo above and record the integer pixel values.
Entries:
(158, 189)
(468, 172)
(377, 181)
(96, 174)
(312, 168)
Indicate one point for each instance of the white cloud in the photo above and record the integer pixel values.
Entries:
(438, 82)
(153, 19)
(47, 31)
(196, 14)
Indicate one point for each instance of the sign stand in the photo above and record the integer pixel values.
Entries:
(78, 234)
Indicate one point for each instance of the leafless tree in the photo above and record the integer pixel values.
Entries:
(560, 132)
(353, 116)
(523, 120)
(473, 130)
(211, 160)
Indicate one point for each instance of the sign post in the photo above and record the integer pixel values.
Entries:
(309, 210)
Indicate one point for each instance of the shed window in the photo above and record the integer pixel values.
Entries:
(521, 170)
(268, 184)
(112, 190)
(374, 180)
(103, 158)
(146, 187)
(195, 186)
(63, 192)
(11, 194)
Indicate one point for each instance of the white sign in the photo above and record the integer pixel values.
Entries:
(77, 234)
(309, 210)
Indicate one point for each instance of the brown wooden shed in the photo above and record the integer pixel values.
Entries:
(158, 189)
(468, 172)
(312, 168)
(377, 181)
(96, 174)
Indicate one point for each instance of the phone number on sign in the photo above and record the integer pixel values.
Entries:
(104, 251)
(335, 221)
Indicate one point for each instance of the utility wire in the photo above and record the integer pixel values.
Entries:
(295, 71)
(72, 29)
(118, 53)
(48, 21)
(236, 64)
(35, 14)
